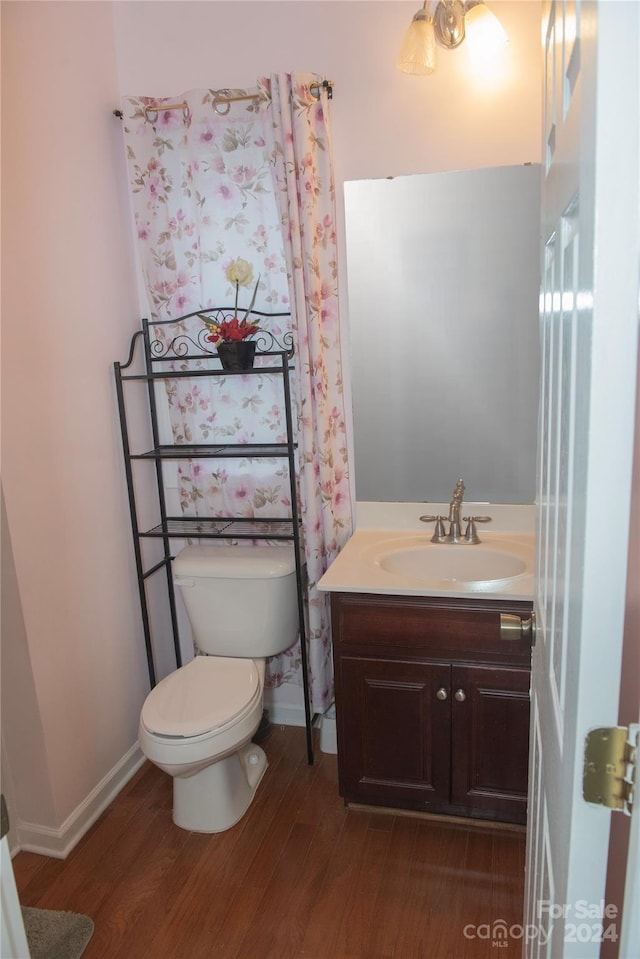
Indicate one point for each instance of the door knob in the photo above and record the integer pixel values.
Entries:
(442, 693)
(514, 627)
(459, 695)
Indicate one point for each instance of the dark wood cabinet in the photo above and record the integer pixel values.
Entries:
(393, 746)
(432, 705)
(490, 740)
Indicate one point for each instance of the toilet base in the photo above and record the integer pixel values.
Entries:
(217, 797)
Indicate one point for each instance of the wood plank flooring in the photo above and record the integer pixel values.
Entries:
(299, 876)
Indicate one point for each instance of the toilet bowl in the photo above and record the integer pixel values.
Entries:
(195, 719)
(197, 723)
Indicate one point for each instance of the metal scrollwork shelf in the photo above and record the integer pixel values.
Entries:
(170, 349)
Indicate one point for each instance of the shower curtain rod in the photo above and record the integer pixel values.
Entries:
(316, 88)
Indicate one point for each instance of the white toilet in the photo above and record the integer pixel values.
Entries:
(197, 723)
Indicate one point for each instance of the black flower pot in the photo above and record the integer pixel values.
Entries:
(237, 356)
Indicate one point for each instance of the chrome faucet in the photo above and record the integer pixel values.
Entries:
(455, 535)
(455, 508)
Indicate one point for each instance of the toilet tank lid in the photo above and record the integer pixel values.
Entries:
(235, 562)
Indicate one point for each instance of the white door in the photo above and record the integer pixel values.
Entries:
(589, 339)
(13, 939)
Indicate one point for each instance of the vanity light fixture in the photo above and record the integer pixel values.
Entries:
(447, 23)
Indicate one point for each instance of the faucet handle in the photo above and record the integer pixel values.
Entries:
(438, 532)
(471, 533)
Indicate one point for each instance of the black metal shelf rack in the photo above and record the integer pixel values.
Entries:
(175, 344)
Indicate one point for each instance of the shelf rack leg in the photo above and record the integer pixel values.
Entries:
(161, 497)
(134, 525)
(309, 718)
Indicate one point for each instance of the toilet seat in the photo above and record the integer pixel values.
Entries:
(207, 695)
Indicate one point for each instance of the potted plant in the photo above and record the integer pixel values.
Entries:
(231, 337)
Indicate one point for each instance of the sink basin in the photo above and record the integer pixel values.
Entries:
(463, 564)
(416, 562)
(392, 553)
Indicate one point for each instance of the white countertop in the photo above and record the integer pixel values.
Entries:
(382, 528)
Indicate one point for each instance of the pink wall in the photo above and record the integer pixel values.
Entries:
(68, 308)
(69, 297)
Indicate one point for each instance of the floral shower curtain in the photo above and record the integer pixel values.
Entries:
(202, 192)
(299, 147)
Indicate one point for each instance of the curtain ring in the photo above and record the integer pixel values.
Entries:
(219, 103)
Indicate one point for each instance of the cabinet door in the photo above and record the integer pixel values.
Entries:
(394, 732)
(490, 740)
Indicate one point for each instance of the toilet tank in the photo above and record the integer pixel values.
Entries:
(241, 600)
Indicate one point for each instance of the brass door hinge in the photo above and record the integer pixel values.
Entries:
(610, 767)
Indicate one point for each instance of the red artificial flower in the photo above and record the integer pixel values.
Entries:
(231, 331)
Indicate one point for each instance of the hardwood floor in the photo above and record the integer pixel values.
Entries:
(299, 876)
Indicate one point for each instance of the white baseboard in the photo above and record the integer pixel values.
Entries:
(285, 714)
(58, 843)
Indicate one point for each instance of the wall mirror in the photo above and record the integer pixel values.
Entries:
(443, 286)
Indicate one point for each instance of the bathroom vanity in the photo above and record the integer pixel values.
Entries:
(432, 678)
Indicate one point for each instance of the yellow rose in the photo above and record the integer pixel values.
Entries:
(240, 272)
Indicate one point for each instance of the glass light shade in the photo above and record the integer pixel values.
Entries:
(418, 53)
(483, 30)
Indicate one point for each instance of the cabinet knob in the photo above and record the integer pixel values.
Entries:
(442, 693)
(459, 695)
